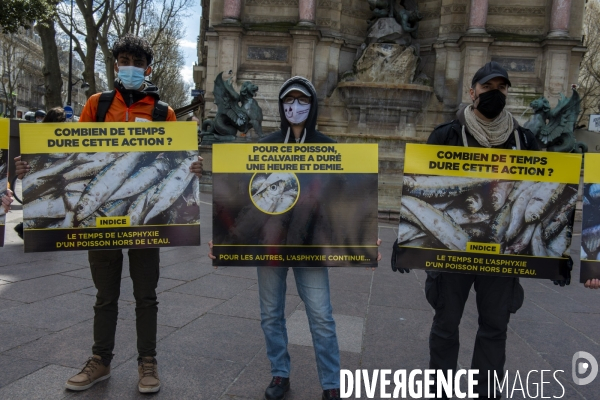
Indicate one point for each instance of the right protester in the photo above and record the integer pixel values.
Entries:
(484, 123)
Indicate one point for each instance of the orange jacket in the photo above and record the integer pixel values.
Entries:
(119, 112)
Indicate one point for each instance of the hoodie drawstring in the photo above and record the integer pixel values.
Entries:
(287, 136)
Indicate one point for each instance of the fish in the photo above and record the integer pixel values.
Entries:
(462, 217)
(594, 190)
(93, 164)
(439, 224)
(474, 203)
(408, 232)
(171, 188)
(476, 231)
(406, 215)
(142, 179)
(519, 188)
(38, 179)
(140, 206)
(196, 190)
(45, 208)
(101, 188)
(500, 192)
(583, 255)
(440, 186)
(418, 242)
(522, 241)
(557, 246)
(443, 206)
(537, 244)
(77, 186)
(71, 199)
(553, 225)
(590, 239)
(517, 214)
(544, 196)
(500, 223)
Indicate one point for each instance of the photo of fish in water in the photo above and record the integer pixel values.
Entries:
(299, 219)
(109, 185)
(486, 225)
(590, 228)
(4, 140)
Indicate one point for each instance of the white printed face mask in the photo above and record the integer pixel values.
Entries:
(296, 113)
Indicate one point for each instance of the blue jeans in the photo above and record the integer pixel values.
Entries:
(313, 288)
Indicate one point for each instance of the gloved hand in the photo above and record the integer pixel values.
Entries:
(394, 252)
(567, 280)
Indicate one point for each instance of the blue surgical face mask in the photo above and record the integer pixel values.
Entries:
(131, 77)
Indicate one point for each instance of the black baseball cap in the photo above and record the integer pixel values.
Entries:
(489, 71)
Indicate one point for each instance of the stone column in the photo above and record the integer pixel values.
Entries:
(308, 12)
(559, 19)
(232, 10)
(478, 16)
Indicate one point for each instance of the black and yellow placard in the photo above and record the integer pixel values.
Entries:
(287, 205)
(92, 137)
(478, 162)
(487, 211)
(4, 141)
(590, 230)
(95, 186)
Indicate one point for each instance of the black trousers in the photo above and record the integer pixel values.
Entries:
(496, 297)
(106, 266)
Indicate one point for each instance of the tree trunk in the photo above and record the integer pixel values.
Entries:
(53, 82)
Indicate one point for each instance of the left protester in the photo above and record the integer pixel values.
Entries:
(134, 99)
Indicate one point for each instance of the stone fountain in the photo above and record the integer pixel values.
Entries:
(384, 93)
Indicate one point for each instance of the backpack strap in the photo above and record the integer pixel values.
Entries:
(106, 99)
(161, 111)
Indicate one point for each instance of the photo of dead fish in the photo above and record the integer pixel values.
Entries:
(524, 217)
(590, 229)
(70, 190)
(274, 193)
(3, 182)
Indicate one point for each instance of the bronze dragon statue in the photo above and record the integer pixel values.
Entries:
(231, 115)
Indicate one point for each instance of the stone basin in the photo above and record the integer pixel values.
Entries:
(383, 107)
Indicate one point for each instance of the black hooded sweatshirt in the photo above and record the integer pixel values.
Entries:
(312, 135)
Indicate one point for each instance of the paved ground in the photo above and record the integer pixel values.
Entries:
(210, 342)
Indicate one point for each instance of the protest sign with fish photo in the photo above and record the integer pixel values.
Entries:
(301, 204)
(590, 229)
(110, 185)
(4, 141)
(487, 211)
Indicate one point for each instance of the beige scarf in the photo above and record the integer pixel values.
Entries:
(492, 133)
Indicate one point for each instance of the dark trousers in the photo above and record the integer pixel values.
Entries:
(496, 298)
(106, 266)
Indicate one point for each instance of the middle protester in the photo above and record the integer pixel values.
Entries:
(298, 112)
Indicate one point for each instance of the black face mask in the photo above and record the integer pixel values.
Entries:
(491, 103)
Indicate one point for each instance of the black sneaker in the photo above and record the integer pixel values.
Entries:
(331, 394)
(277, 388)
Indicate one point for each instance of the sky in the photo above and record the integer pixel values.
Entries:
(189, 42)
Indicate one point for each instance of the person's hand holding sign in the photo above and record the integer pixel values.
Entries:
(6, 200)
(196, 167)
(592, 283)
(21, 167)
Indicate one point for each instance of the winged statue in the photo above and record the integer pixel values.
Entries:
(554, 127)
(235, 112)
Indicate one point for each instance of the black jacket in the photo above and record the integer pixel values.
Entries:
(450, 134)
(312, 135)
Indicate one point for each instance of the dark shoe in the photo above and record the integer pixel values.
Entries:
(148, 372)
(277, 388)
(93, 372)
(331, 394)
